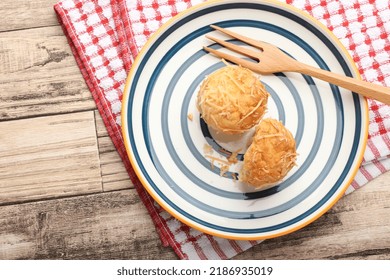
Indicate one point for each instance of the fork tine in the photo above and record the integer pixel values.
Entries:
(237, 36)
(234, 59)
(233, 47)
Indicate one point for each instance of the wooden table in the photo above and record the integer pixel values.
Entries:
(64, 193)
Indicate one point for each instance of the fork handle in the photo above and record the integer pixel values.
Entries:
(366, 89)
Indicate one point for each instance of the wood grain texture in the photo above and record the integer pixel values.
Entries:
(48, 157)
(111, 225)
(64, 192)
(114, 174)
(39, 76)
(26, 14)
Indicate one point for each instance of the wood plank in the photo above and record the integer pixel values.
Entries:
(357, 227)
(101, 130)
(112, 225)
(48, 157)
(39, 75)
(114, 174)
(27, 14)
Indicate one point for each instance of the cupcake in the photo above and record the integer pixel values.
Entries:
(270, 156)
(232, 100)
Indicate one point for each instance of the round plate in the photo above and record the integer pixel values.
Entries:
(179, 159)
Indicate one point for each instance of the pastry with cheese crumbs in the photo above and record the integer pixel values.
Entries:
(232, 100)
(271, 155)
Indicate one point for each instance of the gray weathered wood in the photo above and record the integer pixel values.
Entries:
(111, 225)
(48, 157)
(22, 14)
(114, 174)
(64, 192)
(39, 76)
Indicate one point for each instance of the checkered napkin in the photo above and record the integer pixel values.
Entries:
(106, 35)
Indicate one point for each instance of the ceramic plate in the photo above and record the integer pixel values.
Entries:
(179, 159)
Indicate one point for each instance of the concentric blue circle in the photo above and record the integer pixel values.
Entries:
(210, 188)
(184, 125)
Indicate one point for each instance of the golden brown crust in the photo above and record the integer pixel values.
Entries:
(271, 155)
(232, 100)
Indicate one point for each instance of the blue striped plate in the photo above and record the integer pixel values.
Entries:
(167, 149)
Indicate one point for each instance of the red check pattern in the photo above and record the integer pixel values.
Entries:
(106, 35)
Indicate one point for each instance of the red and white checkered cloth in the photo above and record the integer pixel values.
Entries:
(106, 35)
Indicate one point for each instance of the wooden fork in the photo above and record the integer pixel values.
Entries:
(272, 60)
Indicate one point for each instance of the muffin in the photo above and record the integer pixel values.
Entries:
(270, 156)
(232, 100)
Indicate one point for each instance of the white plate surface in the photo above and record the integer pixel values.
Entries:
(167, 149)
